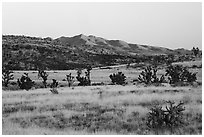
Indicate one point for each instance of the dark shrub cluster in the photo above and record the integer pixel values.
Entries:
(118, 78)
(179, 73)
(170, 118)
(149, 75)
(175, 73)
(25, 82)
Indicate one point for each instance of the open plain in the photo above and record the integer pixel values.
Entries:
(98, 109)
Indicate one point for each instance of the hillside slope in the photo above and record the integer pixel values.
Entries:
(31, 53)
(100, 45)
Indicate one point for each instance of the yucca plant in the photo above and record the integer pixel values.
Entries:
(179, 73)
(118, 78)
(149, 75)
(53, 86)
(84, 80)
(70, 79)
(7, 75)
(43, 75)
(170, 118)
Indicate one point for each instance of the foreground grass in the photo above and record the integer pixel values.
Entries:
(96, 109)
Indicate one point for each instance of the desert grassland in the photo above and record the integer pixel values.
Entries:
(82, 110)
(104, 109)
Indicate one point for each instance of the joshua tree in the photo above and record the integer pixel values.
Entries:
(84, 80)
(118, 78)
(70, 79)
(195, 51)
(87, 73)
(43, 75)
(149, 75)
(179, 73)
(53, 86)
(6, 76)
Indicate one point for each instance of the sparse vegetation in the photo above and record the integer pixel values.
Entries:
(120, 111)
(102, 108)
(118, 78)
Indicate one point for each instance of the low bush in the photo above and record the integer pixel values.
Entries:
(179, 73)
(25, 82)
(118, 78)
(149, 75)
(168, 119)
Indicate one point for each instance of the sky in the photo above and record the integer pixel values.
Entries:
(171, 25)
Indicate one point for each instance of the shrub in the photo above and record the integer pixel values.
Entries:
(43, 75)
(53, 86)
(118, 78)
(160, 119)
(195, 51)
(179, 73)
(170, 59)
(6, 76)
(195, 66)
(149, 75)
(84, 80)
(70, 79)
(25, 82)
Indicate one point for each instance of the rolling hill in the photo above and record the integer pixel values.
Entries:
(100, 45)
(31, 53)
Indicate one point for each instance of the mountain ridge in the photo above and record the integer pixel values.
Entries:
(118, 46)
(25, 52)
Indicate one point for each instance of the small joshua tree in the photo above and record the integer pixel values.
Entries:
(170, 59)
(149, 75)
(179, 73)
(25, 82)
(53, 86)
(87, 73)
(170, 118)
(118, 78)
(70, 79)
(84, 80)
(195, 51)
(43, 75)
(6, 76)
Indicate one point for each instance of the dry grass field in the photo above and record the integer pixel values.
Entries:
(104, 109)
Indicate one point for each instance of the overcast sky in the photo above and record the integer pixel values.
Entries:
(171, 25)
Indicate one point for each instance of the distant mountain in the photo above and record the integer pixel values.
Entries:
(25, 53)
(100, 45)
